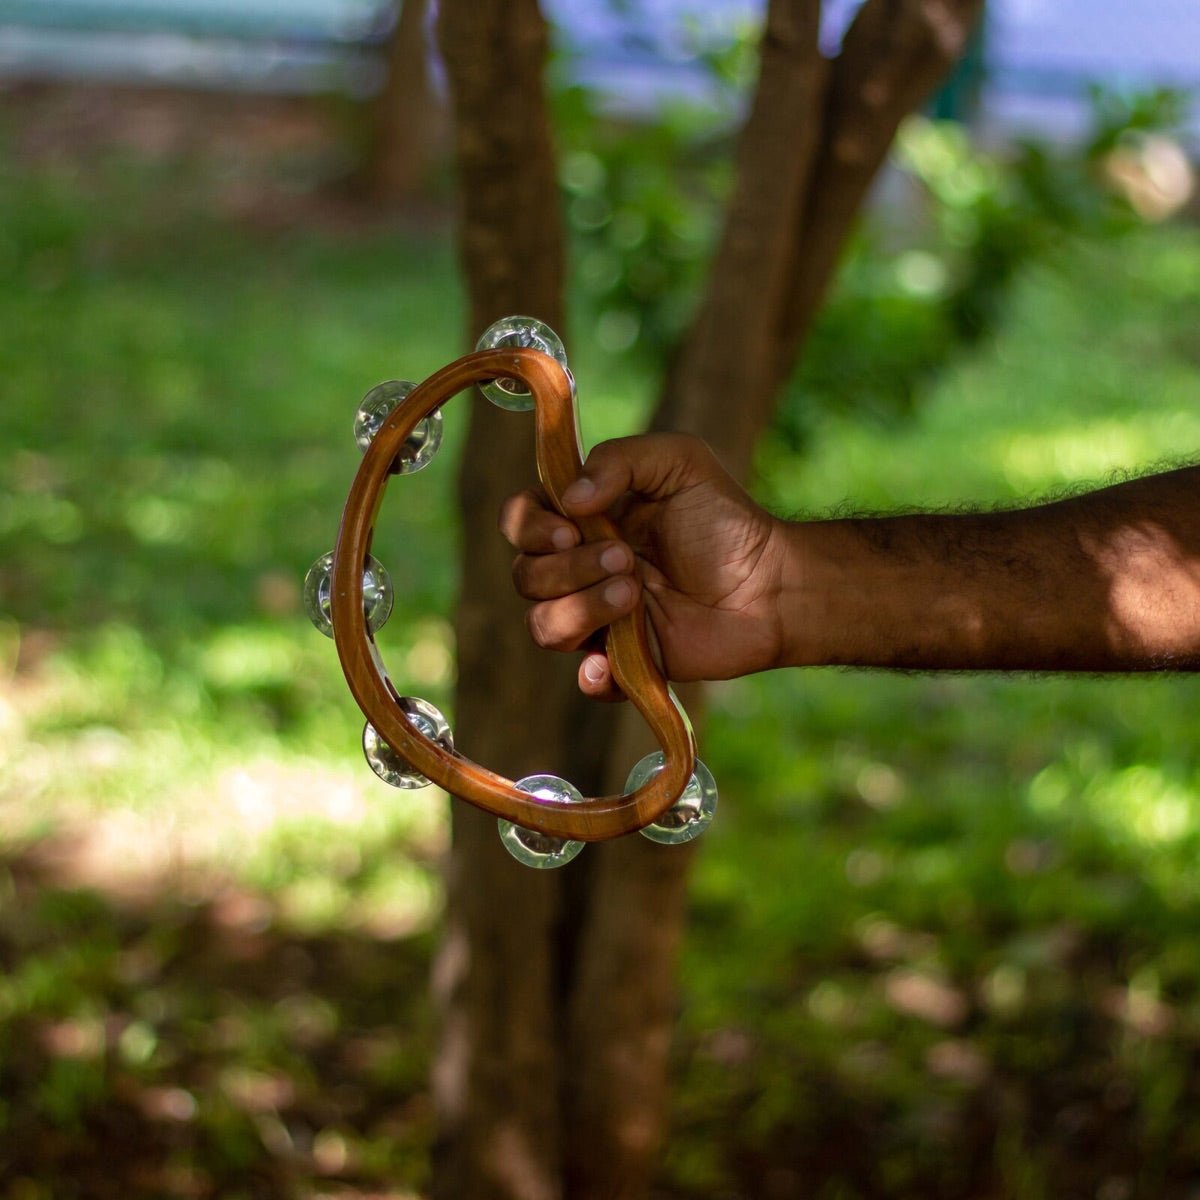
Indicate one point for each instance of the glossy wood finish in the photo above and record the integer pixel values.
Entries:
(559, 463)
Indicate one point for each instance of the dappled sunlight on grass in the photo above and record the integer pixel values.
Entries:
(214, 919)
(213, 911)
(193, 1046)
(148, 767)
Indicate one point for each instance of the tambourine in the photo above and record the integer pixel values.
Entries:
(670, 796)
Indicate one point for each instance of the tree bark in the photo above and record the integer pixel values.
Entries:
(498, 1072)
(631, 911)
(723, 383)
(557, 988)
(406, 121)
(893, 56)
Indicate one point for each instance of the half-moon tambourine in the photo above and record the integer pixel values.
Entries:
(519, 364)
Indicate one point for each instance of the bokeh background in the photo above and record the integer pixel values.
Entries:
(944, 929)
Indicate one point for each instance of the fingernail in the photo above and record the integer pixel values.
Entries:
(614, 559)
(562, 538)
(582, 490)
(593, 668)
(618, 593)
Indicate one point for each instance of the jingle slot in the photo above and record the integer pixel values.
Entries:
(392, 767)
(394, 770)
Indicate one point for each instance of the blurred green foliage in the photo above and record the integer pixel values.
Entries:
(928, 276)
(917, 289)
(641, 202)
(643, 195)
(962, 906)
(202, 892)
(943, 936)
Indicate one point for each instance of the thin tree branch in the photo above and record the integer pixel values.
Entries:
(893, 56)
(727, 354)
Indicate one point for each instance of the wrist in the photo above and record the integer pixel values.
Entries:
(857, 592)
(820, 596)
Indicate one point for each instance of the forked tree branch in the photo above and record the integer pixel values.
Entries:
(814, 141)
(893, 56)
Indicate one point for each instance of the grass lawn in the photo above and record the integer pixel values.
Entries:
(944, 938)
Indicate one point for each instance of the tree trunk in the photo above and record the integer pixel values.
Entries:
(724, 380)
(406, 121)
(498, 1075)
(556, 988)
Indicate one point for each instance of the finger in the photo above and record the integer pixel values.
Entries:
(568, 622)
(531, 525)
(653, 465)
(548, 576)
(596, 681)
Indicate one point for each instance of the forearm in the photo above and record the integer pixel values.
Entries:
(1107, 581)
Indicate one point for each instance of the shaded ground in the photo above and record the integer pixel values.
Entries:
(188, 1047)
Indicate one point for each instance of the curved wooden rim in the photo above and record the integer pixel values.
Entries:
(559, 463)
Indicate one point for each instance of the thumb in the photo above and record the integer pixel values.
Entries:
(655, 465)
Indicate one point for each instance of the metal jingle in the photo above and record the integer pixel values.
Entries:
(525, 333)
(690, 815)
(534, 849)
(378, 595)
(422, 442)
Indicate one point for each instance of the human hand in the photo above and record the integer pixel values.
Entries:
(705, 557)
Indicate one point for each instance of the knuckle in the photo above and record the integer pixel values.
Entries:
(514, 519)
(521, 575)
(516, 513)
(540, 630)
(506, 521)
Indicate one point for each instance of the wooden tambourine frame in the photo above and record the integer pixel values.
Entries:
(559, 463)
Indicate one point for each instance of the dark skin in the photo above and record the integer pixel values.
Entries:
(1105, 581)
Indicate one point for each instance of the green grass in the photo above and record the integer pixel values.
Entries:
(944, 928)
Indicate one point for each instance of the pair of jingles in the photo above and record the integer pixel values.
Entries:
(519, 364)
